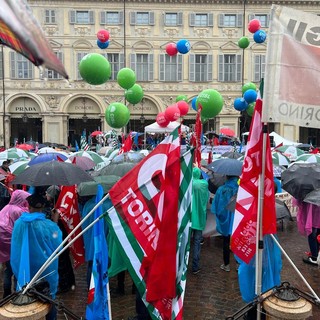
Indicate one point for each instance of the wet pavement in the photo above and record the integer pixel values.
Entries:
(212, 293)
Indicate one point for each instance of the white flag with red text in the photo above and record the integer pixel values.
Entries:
(244, 233)
(151, 222)
(292, 73)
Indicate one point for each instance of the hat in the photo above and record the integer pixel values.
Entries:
(36, 201)
(53, 191)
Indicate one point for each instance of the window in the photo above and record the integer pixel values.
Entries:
(263, 18)
(142, 64)
(200, 66)
(111, 17)
(172, 19)
(116, 61)
(50, 16)
(170, 68)
(230, 20)
(230, 68)
(259, 67)
(80, 56)
(81, 17)
(51, 74)
(142, 18)
(21, 67)
(201, 20)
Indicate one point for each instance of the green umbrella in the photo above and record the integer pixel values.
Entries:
(310, 158)
(279, 159)
(89, 154)
(291, 152)
(89, 188)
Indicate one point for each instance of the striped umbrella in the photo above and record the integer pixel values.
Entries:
(279, 159)
(13, 154)
(18, 166)
(291, 152)
(89, 154)
(310, 158)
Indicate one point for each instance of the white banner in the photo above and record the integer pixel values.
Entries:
(292, 79)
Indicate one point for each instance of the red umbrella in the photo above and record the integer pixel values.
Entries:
(96, 133)
(227, 132)
(25, 146)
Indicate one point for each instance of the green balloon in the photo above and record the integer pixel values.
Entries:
(247, 86)
(250, 109)
(95, 69)
(182, 97)
(117, 115)
(126, 78)
(211, 101)
(243, 42)
(135, 94)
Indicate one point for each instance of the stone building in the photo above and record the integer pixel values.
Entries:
(39, 104)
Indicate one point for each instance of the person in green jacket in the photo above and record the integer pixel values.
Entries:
(200, 197)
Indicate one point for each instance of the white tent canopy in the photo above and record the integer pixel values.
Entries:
(155, 128)
(279, 139)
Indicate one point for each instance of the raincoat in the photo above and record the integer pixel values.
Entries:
(34, 239)
(224, 217)
(200, 196)
(8, 215)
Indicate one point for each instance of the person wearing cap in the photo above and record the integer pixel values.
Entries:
(34, 239)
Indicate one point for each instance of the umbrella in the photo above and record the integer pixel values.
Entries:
(47, 150)
(313, 197)
(277, 170)
(227, 131)
(232, 155)
(19, 166)
(128, 157)
(311, 158)
(215, 181)
(291, 152)
(228, 167)
(83, 162)
(47, 157)
(89, 188)
(304, 146)
(89, 154)
(52, 173)
(13, 153)
(279, 159)
(96, 133)
(25, 146)
(300, 179)
(117, 169)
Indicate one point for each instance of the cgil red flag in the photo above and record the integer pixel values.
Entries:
(243, 238)
(127, 144)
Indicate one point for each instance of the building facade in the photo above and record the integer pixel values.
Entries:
(38, 104)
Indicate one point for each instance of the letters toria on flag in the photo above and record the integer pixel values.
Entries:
(292, 74)
(151, 222)
(243, 238)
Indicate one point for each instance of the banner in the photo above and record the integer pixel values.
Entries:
(292, 77)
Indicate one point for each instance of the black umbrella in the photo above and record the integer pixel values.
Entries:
(52, 173)
(215, 181)
(117, 169)
(89, 188)
(301, 178)
(232, 155)
(313, 197)
(228, 167)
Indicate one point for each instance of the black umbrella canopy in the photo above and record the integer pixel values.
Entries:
(226, 166)
(52, 173)
(300, 179)
(313, 197)
(232, 155)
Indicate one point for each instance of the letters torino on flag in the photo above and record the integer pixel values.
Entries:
(292, 75)
(244, 233)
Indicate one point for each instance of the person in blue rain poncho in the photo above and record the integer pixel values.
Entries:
(34, 239)
(200, 197)
(224, 217)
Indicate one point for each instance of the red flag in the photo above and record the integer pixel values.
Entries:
(243, 239)
(198, 132)
(210, 157)
(147, 200)
(127, 144)
(67, 204)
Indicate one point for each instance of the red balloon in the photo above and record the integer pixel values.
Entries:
(183, 107)
(254, 25)
(103, 35)
(171, 49)
(172, 113)
(162, 121)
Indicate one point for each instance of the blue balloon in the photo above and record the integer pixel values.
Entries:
(240, 104)
(250, 96)
(183, 46)
(103, 45)
(193, 103)
(260, 36)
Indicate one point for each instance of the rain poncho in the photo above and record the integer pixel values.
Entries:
(8, 215)
(200, 196)
(34, 239)
(224, 217)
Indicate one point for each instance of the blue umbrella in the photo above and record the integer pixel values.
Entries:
(228, 167)
(46, 157)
